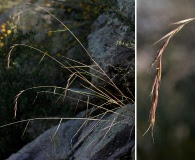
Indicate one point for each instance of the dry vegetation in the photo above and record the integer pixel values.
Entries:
(110, 100)
(158, 59)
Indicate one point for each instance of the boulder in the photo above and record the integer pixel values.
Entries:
(111, 47)
(111, 137)
(127, 7)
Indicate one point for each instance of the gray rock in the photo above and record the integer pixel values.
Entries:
(127, 7)
(109, 138)
(110, 45)
(47, 146)
(19, 156)
(133, 153)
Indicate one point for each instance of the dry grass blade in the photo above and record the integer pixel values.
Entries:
(51, 118)
(184, 21)
(73, 98)
(9, 55)
(21, 92)
(31, 47)
(79, 74)
(172, 33)
(154, 94)
(57, 129)
(160, 52)
(16, 103)
(25, 129)
(68, 84)
(166, 36)
(109, 128)
(88, 132)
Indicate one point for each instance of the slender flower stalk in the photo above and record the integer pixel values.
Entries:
(157, 80)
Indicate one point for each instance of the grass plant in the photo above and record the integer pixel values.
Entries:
(110, 99)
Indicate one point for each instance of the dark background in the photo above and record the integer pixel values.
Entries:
(174, 132)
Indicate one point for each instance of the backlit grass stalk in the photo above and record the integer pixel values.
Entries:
(157, 80)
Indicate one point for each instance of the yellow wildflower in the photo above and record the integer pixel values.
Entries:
(2, 44)
(87, 8)
(58, 54)
(3, 30)
(3, 26)
(1, 37)
(9, 31)
(48, 4)
(49, 33)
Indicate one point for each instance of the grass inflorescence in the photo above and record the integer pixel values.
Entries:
(158, 60)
